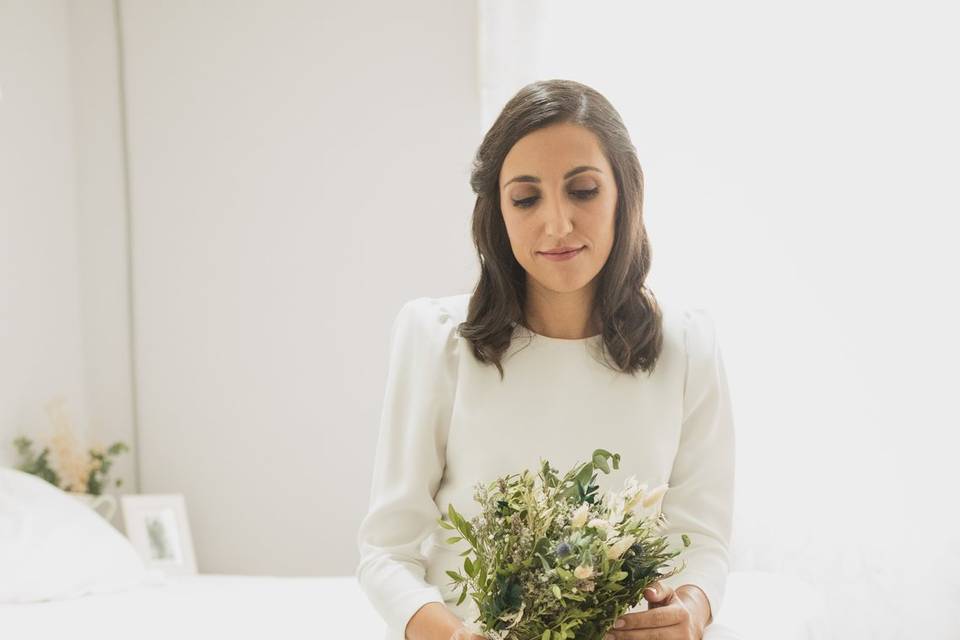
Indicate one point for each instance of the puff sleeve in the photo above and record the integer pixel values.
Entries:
(700, 497)
(408, 463)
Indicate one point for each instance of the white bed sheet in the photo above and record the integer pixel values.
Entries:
(227, 607)
(759, 606)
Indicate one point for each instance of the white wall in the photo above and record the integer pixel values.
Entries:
(298, 170)
(103, 230)
(41, 349)
(63, 317)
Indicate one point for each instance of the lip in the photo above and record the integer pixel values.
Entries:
(561, 255)
(563, 250)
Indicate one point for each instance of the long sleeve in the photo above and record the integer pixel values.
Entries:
(700, 497)
(408, 463)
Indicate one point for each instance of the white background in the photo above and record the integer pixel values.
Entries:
(207, 224)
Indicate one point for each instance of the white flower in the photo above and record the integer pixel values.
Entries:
(649, 506)
(616, 505)
(583, 571)
(539, 496)
(619, 547)
(579, 517)
(603, 525)
(654, 498)
(635, 492)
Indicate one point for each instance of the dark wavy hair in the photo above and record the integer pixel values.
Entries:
(631, 316)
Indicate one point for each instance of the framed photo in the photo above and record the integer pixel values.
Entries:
(157, 526)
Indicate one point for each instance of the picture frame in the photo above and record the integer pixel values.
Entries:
(159, 529)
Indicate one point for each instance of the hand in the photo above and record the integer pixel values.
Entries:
(669, 617)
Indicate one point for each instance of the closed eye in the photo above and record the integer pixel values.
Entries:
(582, 194)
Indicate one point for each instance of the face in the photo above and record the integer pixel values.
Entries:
(558, 190)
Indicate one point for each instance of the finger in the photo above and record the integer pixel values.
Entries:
(665, 616)
(658, 593)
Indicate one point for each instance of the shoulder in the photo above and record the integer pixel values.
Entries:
(431, 319)
(689, 336)
(428, 312)
(688, 328)
(703, 362)
(700, 334)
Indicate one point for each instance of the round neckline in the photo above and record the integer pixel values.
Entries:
(544, 338)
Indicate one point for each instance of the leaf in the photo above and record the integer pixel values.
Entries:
(468, 567)
(583, 477)
(454, 539)
(456, 576)
(546, 635)
(600, 457)
(556, 591)
(463, 594)
(599, 461)
(453, 515)
(467, 530)
(464, 526)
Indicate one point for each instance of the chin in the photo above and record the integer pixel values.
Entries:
(563, 285)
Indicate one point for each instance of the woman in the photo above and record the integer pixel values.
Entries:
(560, 350)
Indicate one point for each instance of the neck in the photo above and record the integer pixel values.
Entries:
(566, 315)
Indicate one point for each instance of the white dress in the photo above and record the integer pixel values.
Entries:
(448, 422)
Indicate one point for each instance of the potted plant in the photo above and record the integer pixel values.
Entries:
(62, 463)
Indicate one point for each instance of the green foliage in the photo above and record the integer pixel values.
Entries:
(535, 576)
(39, 465)
(101, 467)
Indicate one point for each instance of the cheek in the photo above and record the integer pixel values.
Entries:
(600, 219)
(521, 237)
(606, 216)
(520, 229)
(513, 227)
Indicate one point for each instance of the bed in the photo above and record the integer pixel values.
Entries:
(65, 572)
(204, 606)
(239, 607)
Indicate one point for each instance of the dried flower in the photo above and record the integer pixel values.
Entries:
(583, 571)
(620, 546)
(654, 496)
(71, 462)
(603, 525)
(579, 517)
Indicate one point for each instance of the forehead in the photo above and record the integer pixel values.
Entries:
(549, 152)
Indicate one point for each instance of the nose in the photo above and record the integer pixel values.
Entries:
(557, 218)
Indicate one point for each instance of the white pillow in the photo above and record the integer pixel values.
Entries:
(53, 547)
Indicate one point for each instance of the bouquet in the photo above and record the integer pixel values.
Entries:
(553, 558)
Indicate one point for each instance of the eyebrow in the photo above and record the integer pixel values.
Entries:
(572, 172)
